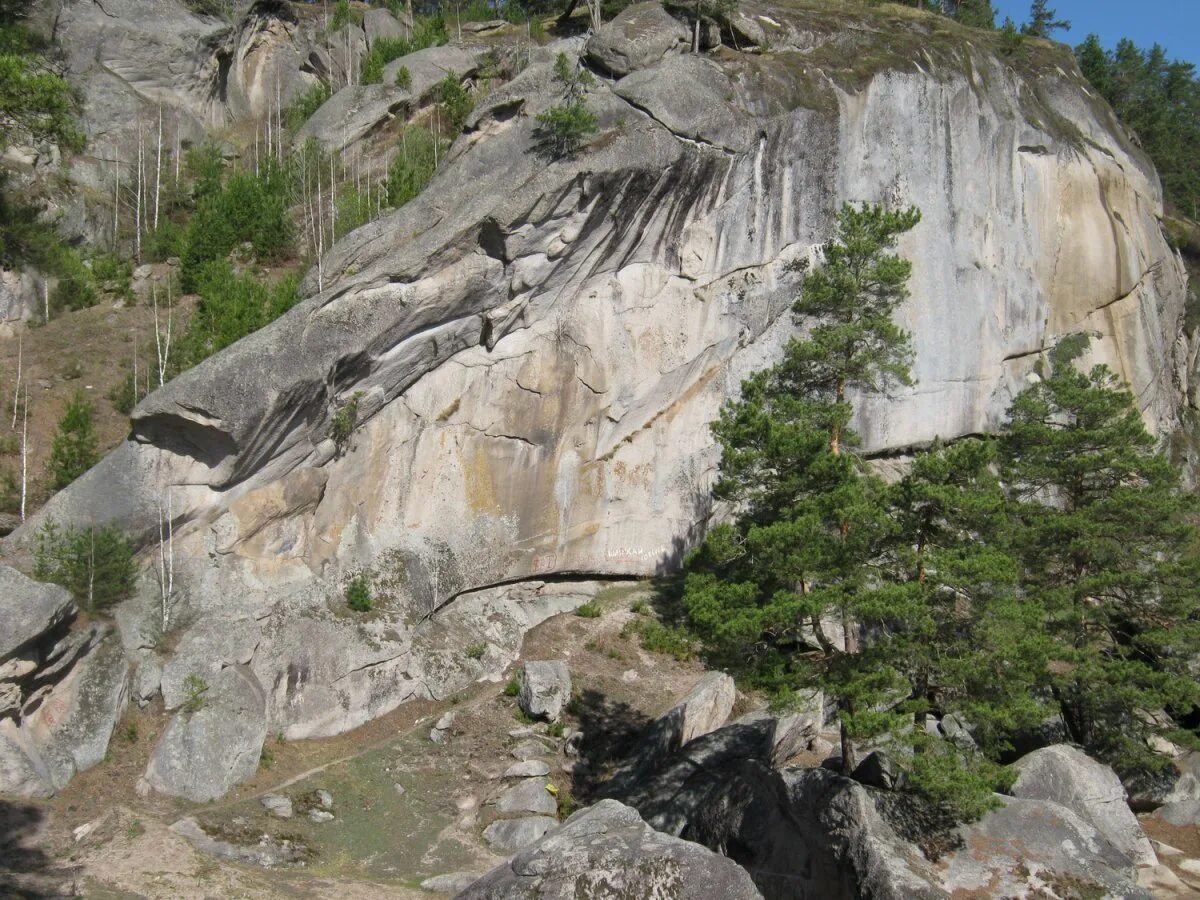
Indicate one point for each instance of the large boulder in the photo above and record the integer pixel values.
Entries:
(28, 609)
(673, 791)
(607, 851)
(77, 694)
(702, 710)
(810, 833)
(379, 23)
(1017, 849)
(545, 688)
(206, 751)
(204, 651)
(1069, 777)
(636, 37)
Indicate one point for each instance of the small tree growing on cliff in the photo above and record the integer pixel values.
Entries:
(1043, 21)
(562, 128)
(74, 449)
(94, 563)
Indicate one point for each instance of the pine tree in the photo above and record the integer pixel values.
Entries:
(791, 572)
(1107, 554)
(964, 639)
(1043, 21)
(73, 451)
(976, 13)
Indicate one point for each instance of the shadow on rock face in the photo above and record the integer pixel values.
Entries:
(611, 731)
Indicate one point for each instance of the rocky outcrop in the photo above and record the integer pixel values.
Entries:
(809, 833)
(209, 748)
(61, 691)
(606, 850)
(533, 350)
(636, 38)
(545, 689)
(1069, 777)
(671, 789)
(30, 610)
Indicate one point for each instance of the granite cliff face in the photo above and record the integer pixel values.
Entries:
(531, 351)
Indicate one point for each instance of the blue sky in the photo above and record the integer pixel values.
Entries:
(1173, 23)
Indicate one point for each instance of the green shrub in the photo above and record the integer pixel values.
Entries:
(247, 208)
(561, 129)
(556, 729)
(76, 288)
(341, 15)
(426, 32)
(344, 421)
(639, 607)
(512, 688)
(123, 396)
(567, 803)
(204, 166)
(95, 563)
(1011, 40)
(73, 450)
(303, 107)
(166, 242)
(195, 691)
(230, 307)
(656, 637)
(403, 78)
(358, 594)
(413, 167)
(456, 102)
(589, 610)
(476, 651)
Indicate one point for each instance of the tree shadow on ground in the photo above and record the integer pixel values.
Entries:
(611, 730)
(25, 870)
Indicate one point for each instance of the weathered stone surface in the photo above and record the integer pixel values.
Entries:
(606, 850)
(530, 768)
(352, 114)
(809, 833)
(379, 23)
(1029, 842)
(1071, 778)
(688, 94)
(70, 728)
(1180, 812)
(878, 770)
(537, 348)
(17, 772)
(529, 796)
(204, 651)
(637, 37)
(527, 750)
(20, 297)
(277, 805)
(451, 883)
(266, 853)
(671, 790)
(202, 754)
(509, 835)
(545, 688)
(28, 609)
(706, 706)
(429, 66)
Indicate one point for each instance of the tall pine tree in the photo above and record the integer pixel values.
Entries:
(1107, 552)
